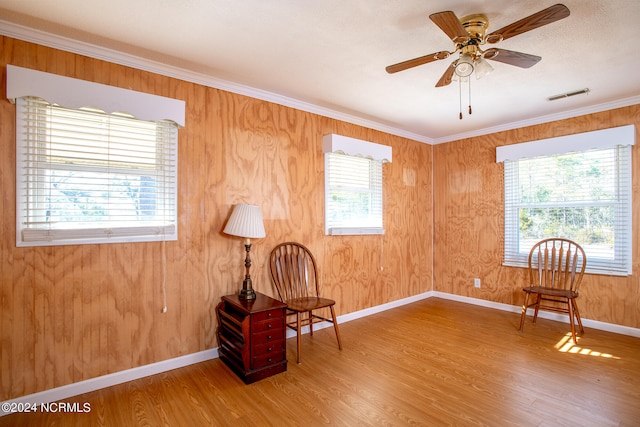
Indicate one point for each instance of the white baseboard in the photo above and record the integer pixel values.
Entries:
(363, 313)
(75, 389)
(93, 384)
(609, 327)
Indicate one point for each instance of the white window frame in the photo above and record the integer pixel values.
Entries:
(162, 117)
(353, 170)
(619, 139)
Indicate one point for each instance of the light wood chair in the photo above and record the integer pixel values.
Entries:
(556, 267)
(295, 275)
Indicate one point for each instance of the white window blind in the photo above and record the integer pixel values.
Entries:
(584, 196)
(85, 176)
(353, 195)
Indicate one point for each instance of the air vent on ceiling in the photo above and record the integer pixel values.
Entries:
(568, 94)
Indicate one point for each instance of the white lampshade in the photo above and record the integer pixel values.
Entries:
(246, 221)
(464, 66)
(482, 68)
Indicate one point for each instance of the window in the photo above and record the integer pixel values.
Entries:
(84, 175)
(353, 186)
(581, 195)
(90, 177)
(353, 195)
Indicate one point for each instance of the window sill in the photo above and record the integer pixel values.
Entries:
(354, 231)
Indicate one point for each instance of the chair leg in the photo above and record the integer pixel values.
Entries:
(335, 326)
(537, 304)
(310, 322)
(577, 313)
(298, 334)
(524, 311)
(571, 321)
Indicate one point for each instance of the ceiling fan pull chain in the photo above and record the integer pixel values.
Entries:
(469, 95)
(460, 93)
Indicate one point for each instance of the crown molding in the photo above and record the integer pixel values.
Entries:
(625, 102)
(87, 49)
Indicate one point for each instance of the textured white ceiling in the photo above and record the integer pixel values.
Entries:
(332, 54)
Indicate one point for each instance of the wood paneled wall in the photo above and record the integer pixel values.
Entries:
(70, 313)
(469, 220)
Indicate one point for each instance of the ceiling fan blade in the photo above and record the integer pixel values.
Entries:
(404, 65)
(519, 59)
(546, 16)
(450, 24)
(447, 76)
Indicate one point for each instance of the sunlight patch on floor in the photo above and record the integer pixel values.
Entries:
(566, 345)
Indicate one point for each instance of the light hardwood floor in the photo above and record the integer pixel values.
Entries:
(434, 362)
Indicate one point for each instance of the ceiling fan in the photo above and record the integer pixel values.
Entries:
(468, 34)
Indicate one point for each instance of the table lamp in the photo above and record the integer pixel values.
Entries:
(246, 221)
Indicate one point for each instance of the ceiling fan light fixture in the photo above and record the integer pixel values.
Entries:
(482, 68)
(464, 66)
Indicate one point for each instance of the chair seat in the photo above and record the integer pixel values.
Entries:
(308, 303)
(566, 293)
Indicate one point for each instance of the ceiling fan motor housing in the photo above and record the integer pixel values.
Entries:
(476, 25)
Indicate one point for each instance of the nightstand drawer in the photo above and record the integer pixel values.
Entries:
(267, 315)
(267, 325)
(267, 337)
(269, 354)
(269, 347)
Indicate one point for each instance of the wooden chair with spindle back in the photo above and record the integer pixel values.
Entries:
(556, 267)
(295, 275)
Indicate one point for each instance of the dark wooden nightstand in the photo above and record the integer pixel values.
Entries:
(252, 336)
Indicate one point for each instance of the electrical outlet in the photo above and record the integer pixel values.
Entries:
(476, 282)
